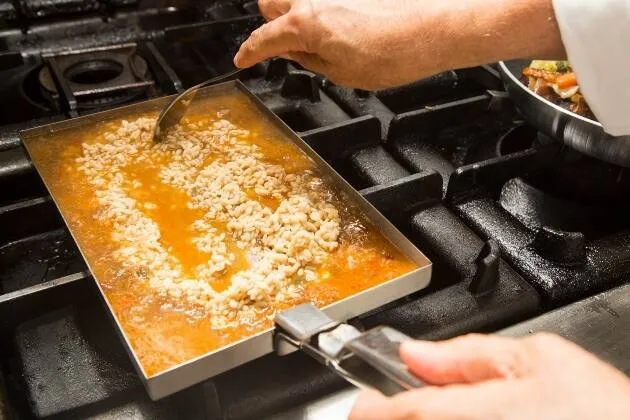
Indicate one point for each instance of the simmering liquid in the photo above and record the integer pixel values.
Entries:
(163, 338)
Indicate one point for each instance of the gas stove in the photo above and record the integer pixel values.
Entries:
(515, 224)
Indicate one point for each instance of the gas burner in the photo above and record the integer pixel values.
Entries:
(574, 193)
(583, 179)
(517, 139)
(514, 224)
(95, 78)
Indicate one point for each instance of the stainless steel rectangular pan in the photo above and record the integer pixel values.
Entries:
(247, 349)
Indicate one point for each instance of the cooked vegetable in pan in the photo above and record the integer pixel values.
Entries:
(556, 81)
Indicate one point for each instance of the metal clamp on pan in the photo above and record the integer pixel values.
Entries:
(366, 359)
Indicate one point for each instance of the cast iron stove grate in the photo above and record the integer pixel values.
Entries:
(468, 293)
(443, 158)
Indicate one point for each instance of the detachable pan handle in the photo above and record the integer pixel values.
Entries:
(367, 359)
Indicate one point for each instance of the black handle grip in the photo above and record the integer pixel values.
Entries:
(379, 348)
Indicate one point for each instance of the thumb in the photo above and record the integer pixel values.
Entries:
(467, 359)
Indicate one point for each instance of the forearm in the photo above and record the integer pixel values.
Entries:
(476, 32)
(376, 44)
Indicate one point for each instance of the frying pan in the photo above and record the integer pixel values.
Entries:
(367, 359)
(580, 133)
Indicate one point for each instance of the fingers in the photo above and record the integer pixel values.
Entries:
(274, 38)
(553, 382)
(273, 9)
(473, 402)
(468, 359)
(370, 405)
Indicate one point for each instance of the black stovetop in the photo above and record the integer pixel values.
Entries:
(515, 224)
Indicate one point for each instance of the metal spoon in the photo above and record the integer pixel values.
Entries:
(172, 114)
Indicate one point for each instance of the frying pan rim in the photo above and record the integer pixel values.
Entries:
(508, 73)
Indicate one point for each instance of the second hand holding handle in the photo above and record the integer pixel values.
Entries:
(366, 359)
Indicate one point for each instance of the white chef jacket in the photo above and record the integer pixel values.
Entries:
(596, 35)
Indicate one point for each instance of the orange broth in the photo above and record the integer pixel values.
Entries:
(163, 338)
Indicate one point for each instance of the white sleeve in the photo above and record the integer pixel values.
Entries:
(596, 35)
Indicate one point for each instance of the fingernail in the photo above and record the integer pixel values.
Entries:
(237, 59)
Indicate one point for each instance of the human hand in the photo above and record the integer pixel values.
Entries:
(365, 43)
(479, 378)
(373, 44)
